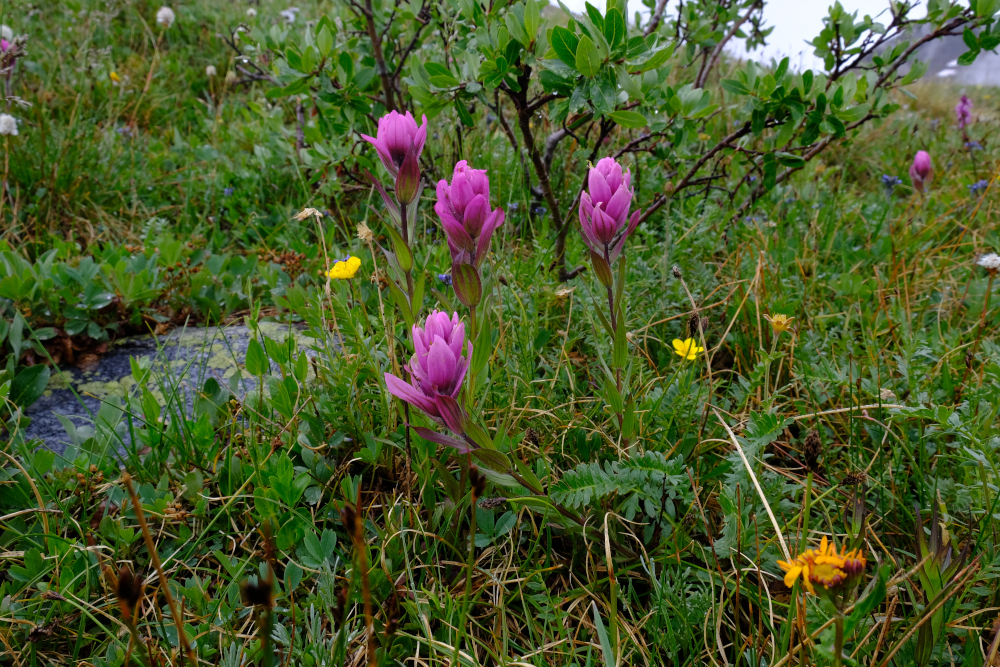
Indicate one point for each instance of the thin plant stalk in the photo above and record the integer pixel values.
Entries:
(979, 336)
(155, 558)
(470, 564)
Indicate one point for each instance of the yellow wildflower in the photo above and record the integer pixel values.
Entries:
(824, 567)
(345, 269)
(780, 323)
(114, 77)
(687, 348)
(703, 137)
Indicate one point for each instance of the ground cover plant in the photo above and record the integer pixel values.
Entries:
(625, 350)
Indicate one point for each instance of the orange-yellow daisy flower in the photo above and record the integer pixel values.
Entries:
(824, 567)
(780, 322)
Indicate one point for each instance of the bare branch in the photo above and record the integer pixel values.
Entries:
(654, 21)
(709, 63)
(383, 71)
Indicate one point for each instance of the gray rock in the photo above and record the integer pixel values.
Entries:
(180, 364)
(941, 56)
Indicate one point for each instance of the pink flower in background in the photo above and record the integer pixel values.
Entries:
(604, 209)
(437, 367)
(464, 209)
(396, 134)
(4, 45)
(921, 171)
(963, 111)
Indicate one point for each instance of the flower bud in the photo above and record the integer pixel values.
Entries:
(921, 171)
(408, 178)
(467, 284)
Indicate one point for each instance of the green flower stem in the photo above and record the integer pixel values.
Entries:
(468, 582)
(620, 416)
(767, 366)
(838, 641)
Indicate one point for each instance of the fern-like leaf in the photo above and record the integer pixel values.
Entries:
(582, 484)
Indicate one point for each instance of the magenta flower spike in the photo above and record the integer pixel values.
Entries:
(963, 112)
(604, 209)
(437, 369)
(464, 209)
(396, 134)
(921, 171)
(4, 45)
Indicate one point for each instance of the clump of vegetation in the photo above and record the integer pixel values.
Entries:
(603, 346)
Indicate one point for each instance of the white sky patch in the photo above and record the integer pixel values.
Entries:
(795, 22)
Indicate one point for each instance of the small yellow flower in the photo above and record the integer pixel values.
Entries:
(346, 268)
(824, 567)
(780, 322)
(687, 348)
(114, 77)
(703, 137)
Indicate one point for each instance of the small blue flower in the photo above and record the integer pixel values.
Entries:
(978, 186)
(540, 210)
(226, 192)
(751, 178)
(890, 182)
(973, 145)
(445, 278)
(512, 206)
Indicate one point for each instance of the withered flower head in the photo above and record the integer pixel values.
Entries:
(812, 449)
(364, 233)
(350, 518)
(492, 503)
(256, 593)
(478, 483)
(697, 325)
(341, 609)
(855, 478)
(392, 613)
(128, 589)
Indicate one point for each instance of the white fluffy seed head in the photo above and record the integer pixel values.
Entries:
(210, 70)
(6, 32)
(251, 12)
(8, 125)
(165, 17)
(990, 262)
